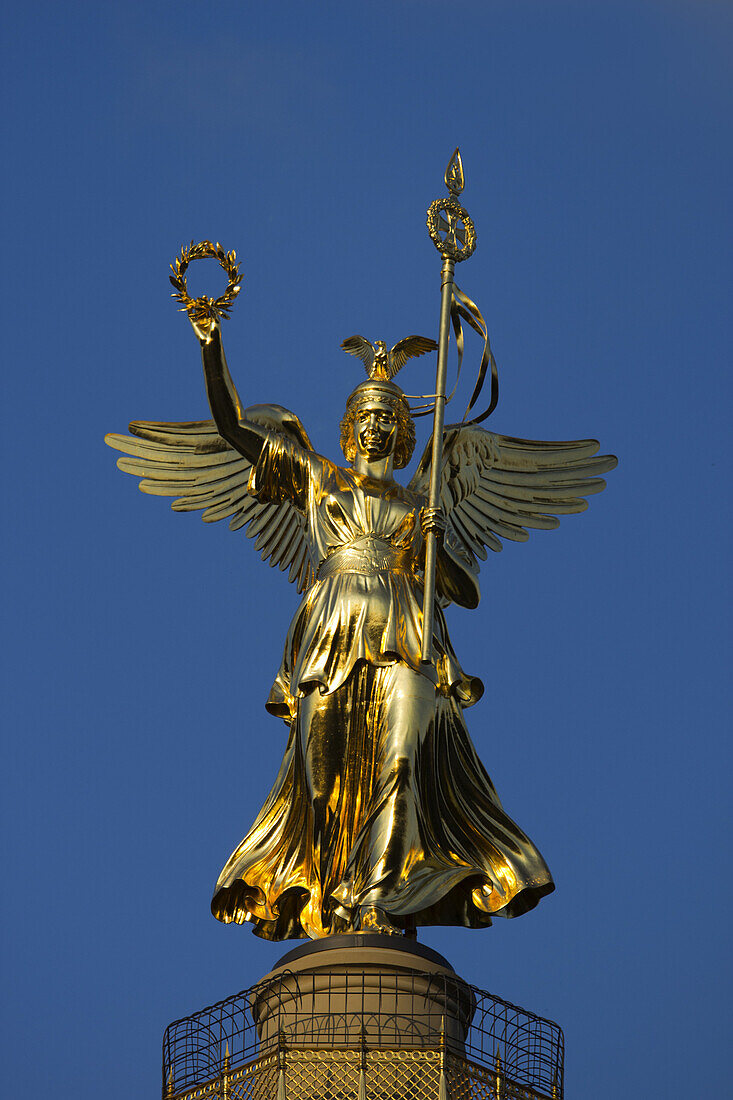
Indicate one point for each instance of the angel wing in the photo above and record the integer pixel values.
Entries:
(191, 462)
(409, 348)
(495, 486)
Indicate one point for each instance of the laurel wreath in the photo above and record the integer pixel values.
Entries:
(204, 309)
(446, 248)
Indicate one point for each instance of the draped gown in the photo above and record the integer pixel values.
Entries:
(381, 799)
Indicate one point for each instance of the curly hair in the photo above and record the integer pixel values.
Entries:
(405, 442)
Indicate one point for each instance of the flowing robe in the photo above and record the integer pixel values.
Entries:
(381, 799)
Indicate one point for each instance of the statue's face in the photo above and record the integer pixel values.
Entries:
(375, 429)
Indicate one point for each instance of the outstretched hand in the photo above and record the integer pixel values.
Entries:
(204, 328)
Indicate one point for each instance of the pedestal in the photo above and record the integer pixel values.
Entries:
(359, 990)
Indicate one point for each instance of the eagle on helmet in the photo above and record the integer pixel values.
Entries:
(380, 363)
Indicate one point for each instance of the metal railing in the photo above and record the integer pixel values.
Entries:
(491, 1047)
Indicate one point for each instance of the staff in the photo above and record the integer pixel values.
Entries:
(453, 234)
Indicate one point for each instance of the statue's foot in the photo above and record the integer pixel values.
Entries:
(375, 920)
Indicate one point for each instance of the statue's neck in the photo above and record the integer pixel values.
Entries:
(380, 470)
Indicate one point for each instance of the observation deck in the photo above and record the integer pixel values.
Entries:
(363, 1020)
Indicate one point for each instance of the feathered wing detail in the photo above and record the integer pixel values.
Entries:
(362, 349)
(387, 362)
(191, 462)
(495, 487)
(409, 348)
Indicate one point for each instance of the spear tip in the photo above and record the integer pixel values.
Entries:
(454, 178)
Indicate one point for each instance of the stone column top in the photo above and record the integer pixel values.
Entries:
(358, 948)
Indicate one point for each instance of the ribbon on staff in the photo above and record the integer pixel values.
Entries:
(463, 309)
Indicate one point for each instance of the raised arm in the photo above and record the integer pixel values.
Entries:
(226, 408)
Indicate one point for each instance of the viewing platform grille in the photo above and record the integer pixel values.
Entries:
(472, 1045)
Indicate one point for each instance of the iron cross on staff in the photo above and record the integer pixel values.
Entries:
(454, 236)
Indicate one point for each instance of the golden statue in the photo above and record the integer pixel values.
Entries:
(382, 816)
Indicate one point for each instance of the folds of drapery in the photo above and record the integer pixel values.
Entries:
(463, 859)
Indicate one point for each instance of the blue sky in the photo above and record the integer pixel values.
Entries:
(311, 138)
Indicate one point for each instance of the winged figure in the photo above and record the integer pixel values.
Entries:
(382, 816)
(381, 363)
